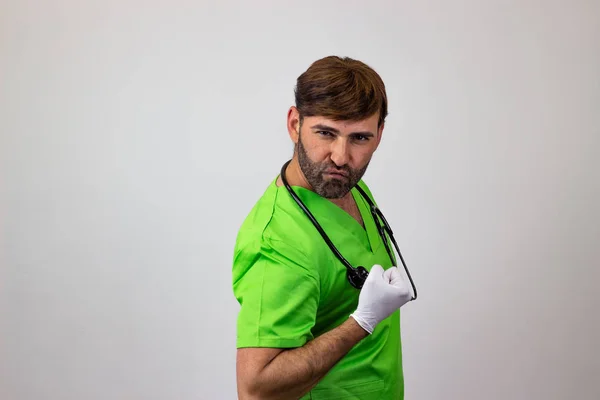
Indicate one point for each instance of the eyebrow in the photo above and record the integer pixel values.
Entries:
(324, 127)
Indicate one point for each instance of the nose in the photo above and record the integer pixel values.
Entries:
(339, 152)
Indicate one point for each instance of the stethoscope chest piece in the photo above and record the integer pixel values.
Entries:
(357, 276)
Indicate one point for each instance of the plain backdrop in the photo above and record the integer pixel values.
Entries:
(137, 135)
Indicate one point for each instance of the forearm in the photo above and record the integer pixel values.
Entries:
(292, 373)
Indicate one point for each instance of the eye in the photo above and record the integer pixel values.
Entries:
(361, 138)
(325, 133)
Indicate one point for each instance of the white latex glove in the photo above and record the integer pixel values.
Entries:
(382, 293)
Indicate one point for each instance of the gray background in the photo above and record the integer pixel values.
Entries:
(135, 137)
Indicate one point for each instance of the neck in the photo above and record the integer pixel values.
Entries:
(295, 176)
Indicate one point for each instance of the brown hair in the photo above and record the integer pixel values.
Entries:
(341, 89)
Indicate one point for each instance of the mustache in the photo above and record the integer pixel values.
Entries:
(333, 167)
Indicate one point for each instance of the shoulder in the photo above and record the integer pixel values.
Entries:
(271, 232)
(272, 221)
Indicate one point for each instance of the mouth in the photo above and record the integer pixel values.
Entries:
(337, 174)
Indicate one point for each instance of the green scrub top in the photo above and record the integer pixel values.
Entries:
(291, 288)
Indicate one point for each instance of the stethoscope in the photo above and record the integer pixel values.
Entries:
(356, 275)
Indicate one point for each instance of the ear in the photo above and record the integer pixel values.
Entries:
(293, 124)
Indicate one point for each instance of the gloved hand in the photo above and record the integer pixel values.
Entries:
(382, 293)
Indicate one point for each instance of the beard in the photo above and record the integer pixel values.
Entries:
(330, 188)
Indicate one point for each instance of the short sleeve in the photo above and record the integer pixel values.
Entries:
(278, 294)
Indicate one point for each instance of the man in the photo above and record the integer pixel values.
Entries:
(303, 330)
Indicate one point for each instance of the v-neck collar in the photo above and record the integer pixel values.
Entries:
(367, 217)
(327, 212)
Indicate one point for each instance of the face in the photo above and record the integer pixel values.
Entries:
(334, 155)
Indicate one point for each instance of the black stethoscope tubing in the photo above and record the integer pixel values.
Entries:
(356, 275)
